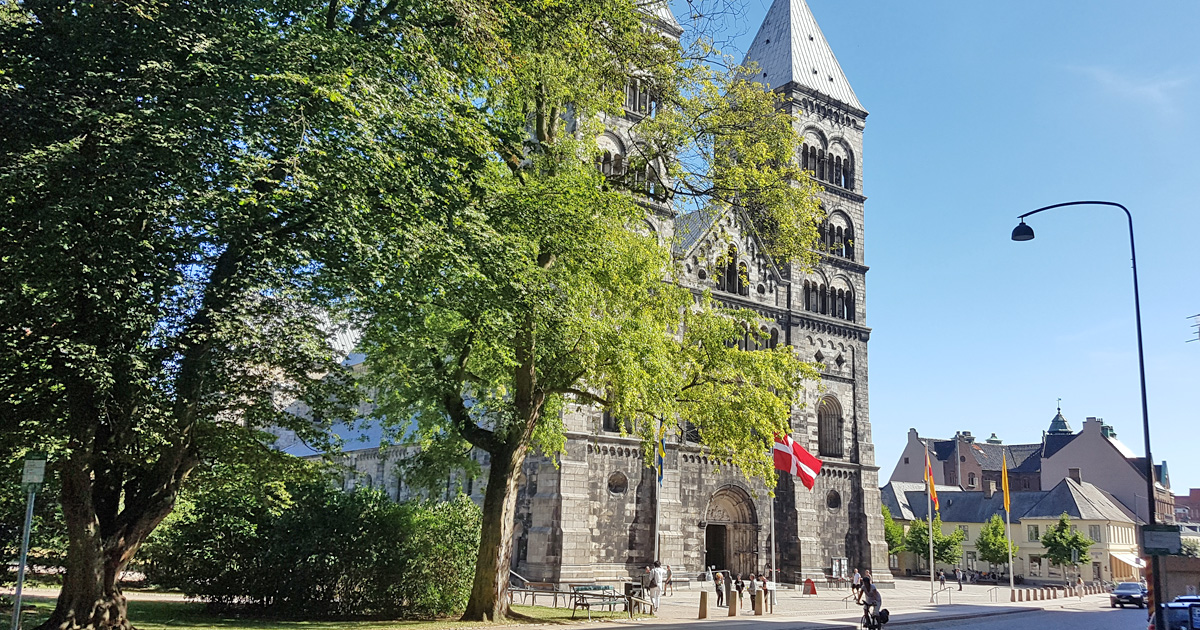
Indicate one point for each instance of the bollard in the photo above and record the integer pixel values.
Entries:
(733, 602)
(1054, 594)
(1012, 595)
(703, 604)
(758, 603)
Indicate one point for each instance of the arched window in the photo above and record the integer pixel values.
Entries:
(774, 338)
(743, 282)
(970, 480)
(850, 243)
(850, 306)
(606, 162)
(829, 428)
(814, 298)
(824, 309)
(804, 156)
(821, 164)
(732, 280)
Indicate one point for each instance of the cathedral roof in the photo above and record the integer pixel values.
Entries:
(661, 12)
(690, 228)
(790, 48)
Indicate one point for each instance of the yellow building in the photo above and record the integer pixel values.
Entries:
(1093, 512)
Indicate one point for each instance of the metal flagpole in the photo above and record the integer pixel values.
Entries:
(929, 516)
(661, 461)
(1008, 524)
(774, 558)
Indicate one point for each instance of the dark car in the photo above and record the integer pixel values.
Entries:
(1127, 593)
(1178, 616)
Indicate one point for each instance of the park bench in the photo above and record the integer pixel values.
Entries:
(589, 596)
(530, 591)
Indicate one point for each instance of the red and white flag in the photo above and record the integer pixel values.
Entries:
(790, 457)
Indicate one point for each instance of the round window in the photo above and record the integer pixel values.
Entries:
(618, 483)
(833, 500)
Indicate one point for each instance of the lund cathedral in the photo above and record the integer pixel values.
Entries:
(592, 517)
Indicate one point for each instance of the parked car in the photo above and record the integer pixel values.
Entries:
(1127, 593)
(1177, 615)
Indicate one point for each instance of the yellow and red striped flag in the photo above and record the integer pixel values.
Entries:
(1004, 480)
(929, 480)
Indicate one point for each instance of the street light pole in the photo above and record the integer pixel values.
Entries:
(1025, 233)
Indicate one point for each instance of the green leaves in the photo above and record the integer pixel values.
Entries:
(947, 548)
(893, 532)
(993, 546)
(1060, 540)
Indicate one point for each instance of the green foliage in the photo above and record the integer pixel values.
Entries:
(307, 549)
(1060, 541)
(1190, 546)
(947, 548)
(993, 546)
(893, 532)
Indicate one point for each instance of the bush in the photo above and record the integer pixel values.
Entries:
(311, 550)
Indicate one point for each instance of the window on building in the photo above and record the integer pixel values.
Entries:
(970, 556)
(1094, 533)
(966, 531)
(905, 460)
(970, 480)
(1034, 536)
(829, 428)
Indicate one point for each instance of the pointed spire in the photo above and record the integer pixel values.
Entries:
(790, 48)
(1059, 425)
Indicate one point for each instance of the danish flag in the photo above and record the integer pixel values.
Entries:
(790, 457)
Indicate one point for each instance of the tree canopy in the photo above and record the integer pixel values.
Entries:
(1062, 542)
(893, 532)
(947, 548)
(992, 544)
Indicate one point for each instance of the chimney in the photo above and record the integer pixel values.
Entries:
(1075, 475)
(989, 488)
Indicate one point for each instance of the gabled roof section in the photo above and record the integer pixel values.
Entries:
(1078, 500)
(691, 228)
(907, 501)
(790, 48)
(1020, 457)
(660, 11)
(1055, 442)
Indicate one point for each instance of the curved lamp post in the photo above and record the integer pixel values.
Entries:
(1025, 233)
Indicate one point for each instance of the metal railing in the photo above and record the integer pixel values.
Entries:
(949, 596)
(994, 593)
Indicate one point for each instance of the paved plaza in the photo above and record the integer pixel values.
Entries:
(908, 603)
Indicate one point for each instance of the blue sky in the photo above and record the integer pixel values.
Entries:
(983, 111)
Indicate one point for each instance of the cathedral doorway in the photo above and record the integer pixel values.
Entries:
(731, 531)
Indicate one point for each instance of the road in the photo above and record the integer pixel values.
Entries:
(1082, 619)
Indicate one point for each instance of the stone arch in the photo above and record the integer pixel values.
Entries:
(731, 530)
(829, 428)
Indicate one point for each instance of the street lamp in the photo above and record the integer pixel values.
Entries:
(1025, 233)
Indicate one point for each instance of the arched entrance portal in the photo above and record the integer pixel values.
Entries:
(731, 531)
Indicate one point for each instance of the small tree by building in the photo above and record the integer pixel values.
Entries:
(893, 532)
(947, 548)
(1061, 543)
(992, 545)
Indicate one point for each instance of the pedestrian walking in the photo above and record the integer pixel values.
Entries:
(669, 587)
(719, 582)
(958, 576)
(1079, 586)
(855, 582)
(942, 578)
(740, 585)
(658, 576)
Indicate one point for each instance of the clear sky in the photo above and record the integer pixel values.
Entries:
(980, 111)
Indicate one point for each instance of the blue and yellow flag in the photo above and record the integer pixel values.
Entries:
(661, 456)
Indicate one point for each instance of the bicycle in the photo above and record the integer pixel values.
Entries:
(871, 621)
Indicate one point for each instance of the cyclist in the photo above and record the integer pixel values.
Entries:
(872, 600)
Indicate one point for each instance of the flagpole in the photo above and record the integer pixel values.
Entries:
(661, 462)
(1008, 525)
(774, 558)
(929, 517)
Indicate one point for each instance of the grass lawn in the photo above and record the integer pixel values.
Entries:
(182, 615)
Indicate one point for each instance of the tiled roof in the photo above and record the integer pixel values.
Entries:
(1054, 443)
(1021, 457)
(690, 228)
(790, 48)
(907, 501)
(1077, 500)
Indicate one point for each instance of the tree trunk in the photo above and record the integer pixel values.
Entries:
(489, 592)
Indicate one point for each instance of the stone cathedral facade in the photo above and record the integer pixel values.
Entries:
(591, 517)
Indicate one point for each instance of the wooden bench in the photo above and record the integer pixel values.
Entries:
(531, 590)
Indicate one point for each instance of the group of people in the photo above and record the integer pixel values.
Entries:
(739, 588)
(968, 576)
(655, 580)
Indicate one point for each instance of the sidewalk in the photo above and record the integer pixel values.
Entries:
(908, 604)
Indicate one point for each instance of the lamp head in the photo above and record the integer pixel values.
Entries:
(1022, 232)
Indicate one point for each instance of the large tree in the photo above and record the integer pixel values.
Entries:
(893, 532)
(186, 191)
(1064, 545)
(993, 545)
(551, 285)
(947, 548)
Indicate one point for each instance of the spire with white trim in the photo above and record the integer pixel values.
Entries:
(790, 48)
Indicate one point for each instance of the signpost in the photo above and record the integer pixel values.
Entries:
(32, 478)
(1161, 540)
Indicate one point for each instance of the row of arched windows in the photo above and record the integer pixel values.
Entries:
(639, 99)
(769, 340)
(819, 298)
(827, 167)
(838, 240)
(639, 178)
(735, 276)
